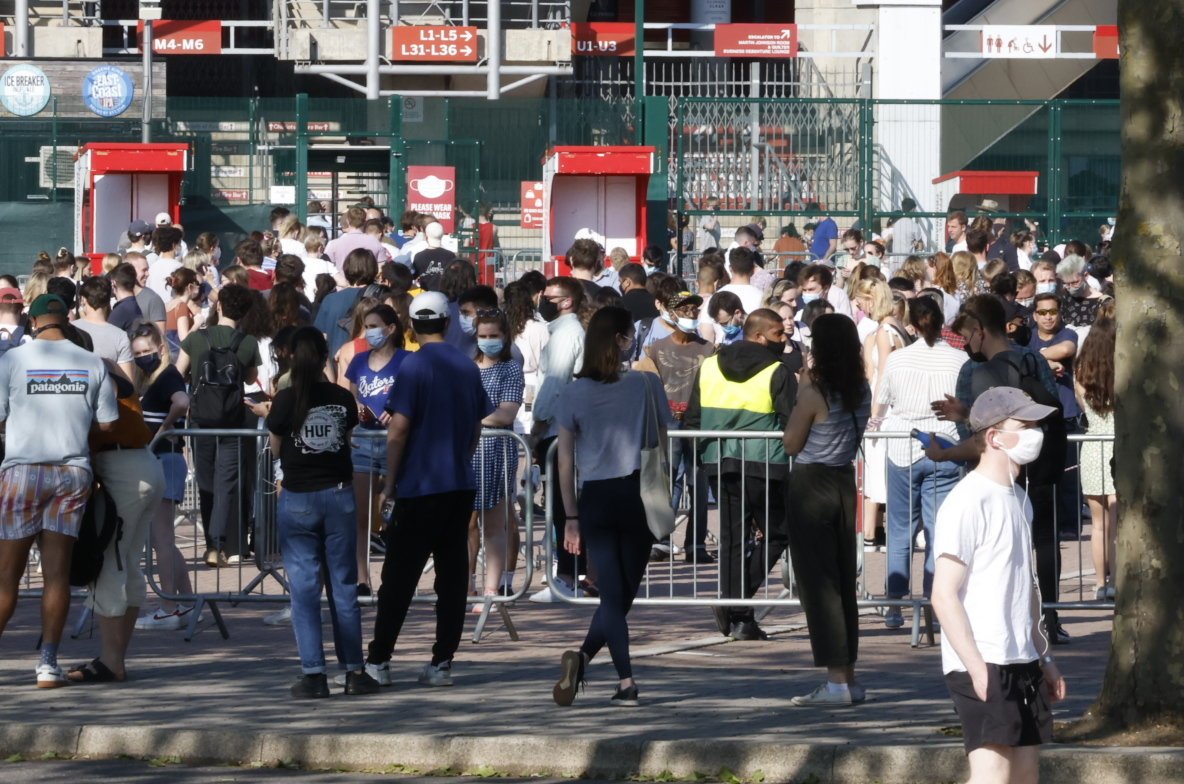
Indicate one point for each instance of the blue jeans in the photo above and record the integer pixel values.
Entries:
(689, 474)
(318, 538)
(915, 493)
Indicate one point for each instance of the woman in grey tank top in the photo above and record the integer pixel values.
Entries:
(824, 431)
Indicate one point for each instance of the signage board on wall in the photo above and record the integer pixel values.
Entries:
(432, 190)
(108, 91)
(24, 90)
(532, 205)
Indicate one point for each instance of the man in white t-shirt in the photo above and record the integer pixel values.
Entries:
(743, 263)
(818, 283)
(994, 649)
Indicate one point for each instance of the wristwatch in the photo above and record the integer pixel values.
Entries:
(1047, 659)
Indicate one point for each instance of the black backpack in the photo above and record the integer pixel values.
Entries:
(101, 524)
(645, 326)
(1049, 467)
(217, 399)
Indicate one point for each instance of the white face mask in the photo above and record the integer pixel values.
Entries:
(1046, 288)
(468, 324)
(1027, 303)
(1027, 447)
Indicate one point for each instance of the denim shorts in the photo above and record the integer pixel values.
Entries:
(176, 470)
(368, 453)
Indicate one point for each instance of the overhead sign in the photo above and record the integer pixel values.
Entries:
(756, 40)
(183, 36)
(1023, 42)
(1106, 42)
(608, 39)
(432, 190)
(107, 91)
(434, 43)
(532, 205)
(24, 90)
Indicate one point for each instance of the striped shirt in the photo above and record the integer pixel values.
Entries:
(913, 378)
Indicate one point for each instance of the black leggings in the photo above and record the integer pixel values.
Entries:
(617, 541)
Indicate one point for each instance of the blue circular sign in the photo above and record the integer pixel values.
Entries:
(24, 90)
(107, 91)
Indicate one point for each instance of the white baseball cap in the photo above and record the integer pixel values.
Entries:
(163, 219)
(429, 306)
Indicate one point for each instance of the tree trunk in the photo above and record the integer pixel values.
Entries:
(1144, 684)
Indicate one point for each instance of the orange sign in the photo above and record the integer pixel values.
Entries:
(607, 39)
(180, 36)
(434, 43)
(1106, 42)
(756, 40)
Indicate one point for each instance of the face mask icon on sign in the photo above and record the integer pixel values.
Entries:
(432, 187)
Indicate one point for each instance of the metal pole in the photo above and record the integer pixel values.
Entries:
(20, 35)
(638, 68)
(146, 52)
(324, 13)
(493, 51)
(373, 48)
(302, 160)
(754, 133)
(65, 13)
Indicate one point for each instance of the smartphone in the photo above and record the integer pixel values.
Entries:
(257, 397)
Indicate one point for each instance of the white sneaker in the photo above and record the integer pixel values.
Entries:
(379, 672)
(436, 674)
(555, 585)
(858, 692)
(823, 696)
(50, 676)
(281, 618)
(160, 620)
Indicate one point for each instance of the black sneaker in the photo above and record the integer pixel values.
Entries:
(699, 557)
(747, 631)
(311, 687)
(723, 620)
(364, 590)
(360, 683)
(377, 544)
(625, 698)
(572, 663)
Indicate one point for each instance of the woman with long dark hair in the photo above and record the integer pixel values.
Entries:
(371, 377)
(824, 432)
(310, 424)
(1095, 390)
(605, 419)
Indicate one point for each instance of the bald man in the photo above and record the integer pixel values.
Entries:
(746, 386)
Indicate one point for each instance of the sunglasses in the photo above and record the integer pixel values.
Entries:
(1047, 312)
(489, 313)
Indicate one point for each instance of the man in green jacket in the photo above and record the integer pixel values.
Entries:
(746, 387)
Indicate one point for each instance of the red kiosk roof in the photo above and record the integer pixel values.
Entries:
(125, 157)
(603, 160)
(989, 183)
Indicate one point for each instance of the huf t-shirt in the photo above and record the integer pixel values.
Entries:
(439, 389)
(374, 386)
(987, 526)
(50, 393)
(315, 455)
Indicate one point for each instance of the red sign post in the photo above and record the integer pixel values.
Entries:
(756, 40)
(1106, 42)
(609, 39)
(532, 205)
(433, 43)
(181, 36)
(432, 190)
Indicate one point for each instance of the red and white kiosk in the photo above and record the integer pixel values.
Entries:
(115, 184)
(598, 188)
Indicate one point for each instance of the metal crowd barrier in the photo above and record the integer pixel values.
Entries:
(246, 579)
(698, 585)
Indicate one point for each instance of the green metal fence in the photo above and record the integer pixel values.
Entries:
(759, 156)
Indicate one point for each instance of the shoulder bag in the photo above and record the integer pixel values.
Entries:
(655, 475)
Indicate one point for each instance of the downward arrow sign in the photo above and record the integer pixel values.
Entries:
(1045, 45)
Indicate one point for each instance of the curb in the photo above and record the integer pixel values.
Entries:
(615, 758)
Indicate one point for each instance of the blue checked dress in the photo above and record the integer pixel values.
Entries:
(495, 462)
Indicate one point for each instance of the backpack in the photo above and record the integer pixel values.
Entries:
(217, 399)
(1049, 466)
(644, 327)
(101, 524)
(11, 340)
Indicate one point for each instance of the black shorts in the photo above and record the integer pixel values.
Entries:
(1016, 711)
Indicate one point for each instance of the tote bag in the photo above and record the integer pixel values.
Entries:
(655, 476)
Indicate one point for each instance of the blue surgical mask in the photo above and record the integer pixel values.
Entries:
(491, 347)
(375, 336)
(732, 331)
(688, 324)
(649, 270)
(810, 296)
(468, 325)
(1046, 288)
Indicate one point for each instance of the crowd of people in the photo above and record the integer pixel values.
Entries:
(377, 359)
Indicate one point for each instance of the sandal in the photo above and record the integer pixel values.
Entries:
(94, 672)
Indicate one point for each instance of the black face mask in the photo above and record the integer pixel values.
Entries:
(1022, 335)
(548, 309)
(776, 349)
(975, 356)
